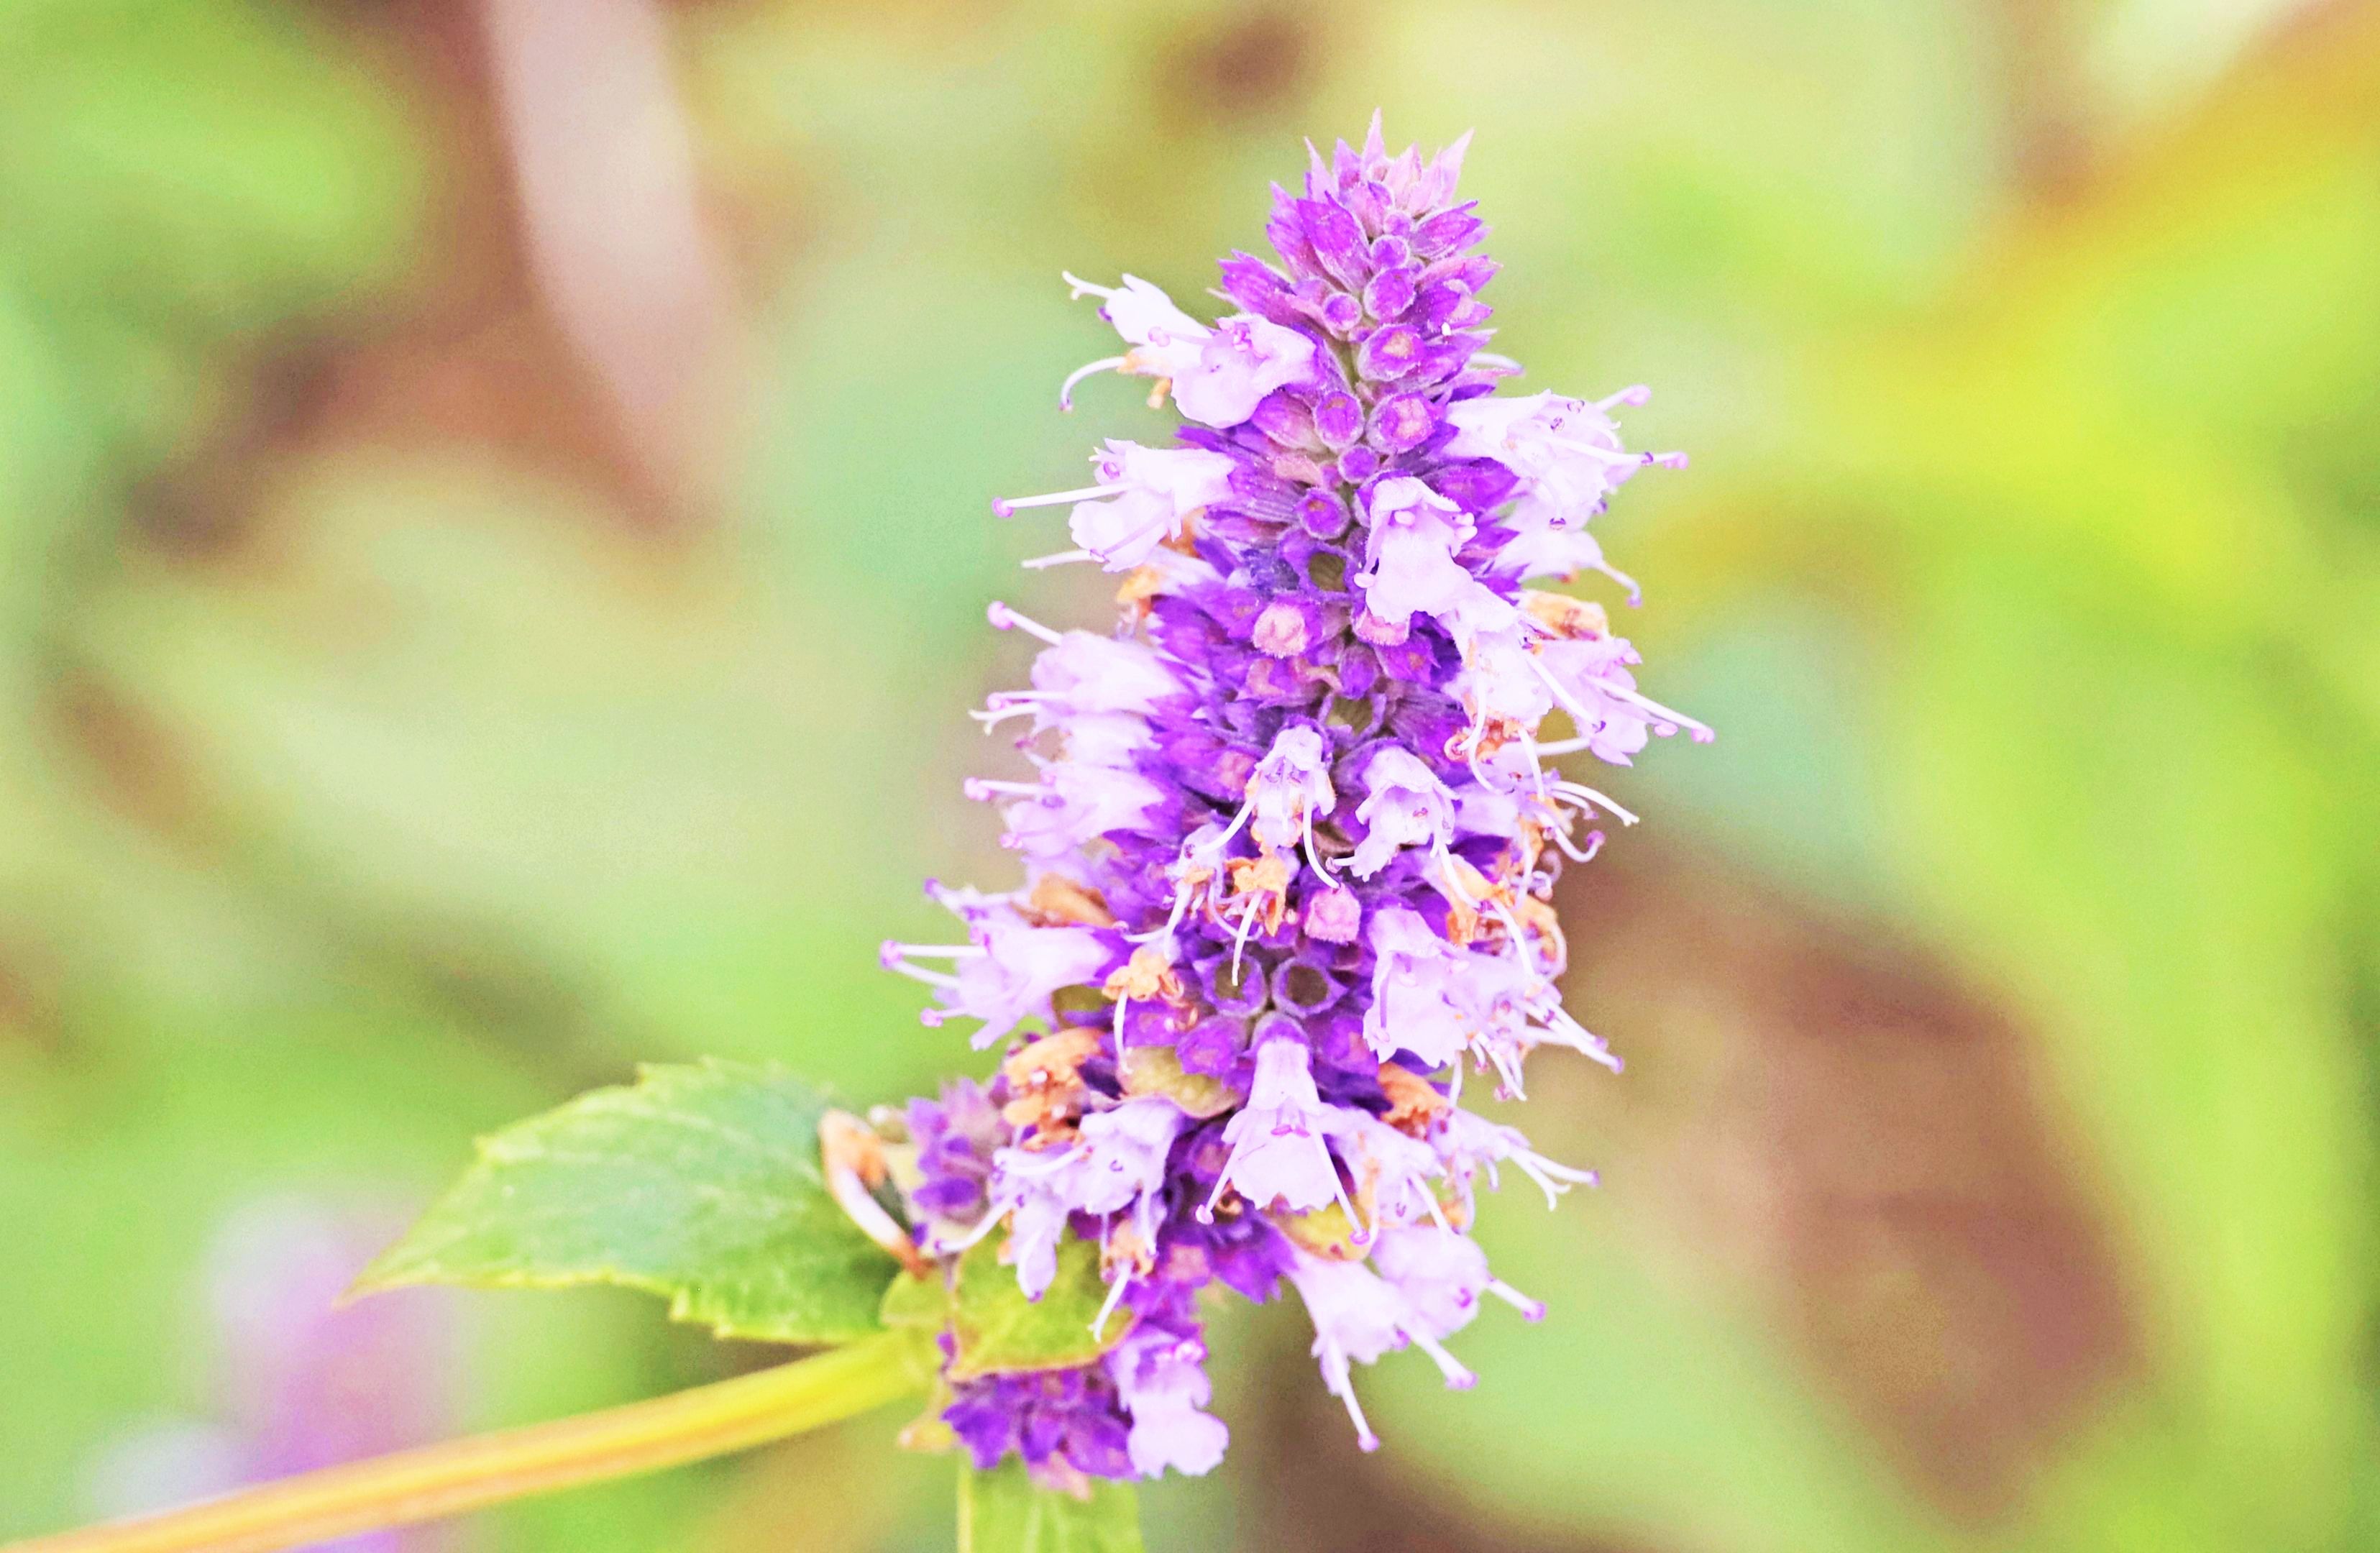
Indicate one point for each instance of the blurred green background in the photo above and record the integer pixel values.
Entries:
(493, 497)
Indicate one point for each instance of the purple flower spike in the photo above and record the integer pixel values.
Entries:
(1294, 825)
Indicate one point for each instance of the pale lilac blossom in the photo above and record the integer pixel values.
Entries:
(1404, 805)
(1218, 374)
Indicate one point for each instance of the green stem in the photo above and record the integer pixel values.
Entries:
(465, 1475)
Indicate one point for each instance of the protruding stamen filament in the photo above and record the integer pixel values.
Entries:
(1588, 799)
(1553, 1179)
(1581, 1039)
(1314, 857)
(1009, 506)
(1458, 1378)
(1359, 1232)
(1089, 368)
(1700, 732)
(978, 789)
(983, 1228)
(1000, 711)
(1364, 1438)
(1108, 1305)
(1248, 925)
(1573, 850)
(1636, 589)
(892, 951)
(1507, 1065)
(1002, 618)
(1532, 1310)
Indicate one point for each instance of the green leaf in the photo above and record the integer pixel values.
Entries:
(1001, 1511)
(698, 1182)
(1000, 1331)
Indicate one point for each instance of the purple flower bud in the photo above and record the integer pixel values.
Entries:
(1448, 232)
(1287, 419)
(1390, 353)
(1434, 307)
(1259, 288)
(1335, 917)
(1213, 1045)
(1323, 514)
(1369, 202)
(1287, 627)
(1338, 419)
(1359, 672)
(1479, 485)
(1390, 293)
(1402, 422)
(1336, 238)
(1337, 1039)
(1470, 271)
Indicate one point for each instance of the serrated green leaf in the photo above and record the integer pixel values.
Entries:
(700, 1184)
(912, 1300)
(1000, 1331)
(1001, 1511)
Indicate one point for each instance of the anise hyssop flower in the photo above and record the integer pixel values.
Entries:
(1290, 831)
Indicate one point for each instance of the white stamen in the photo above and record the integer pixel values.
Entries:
(1570, 849)
(1002, 618)
(1008, 504)
(1552, 1180)
(1635, 589)
(994, 716)
(1313, 857)
(984, 1226)
(1446, 882)
(1108, 1305)
(918, 973)
(1215, 848)
(1067, 389)
(1701, 731)
(976, 787)
(1240, 939)
(1590, 799)
(1533, 1310)
(1364, 1438)
(1457, 1378)
(1506, 1064)
(1578, 1038)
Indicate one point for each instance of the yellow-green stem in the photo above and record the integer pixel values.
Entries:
(465, 1475)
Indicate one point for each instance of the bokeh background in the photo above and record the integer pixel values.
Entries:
(492, 543)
